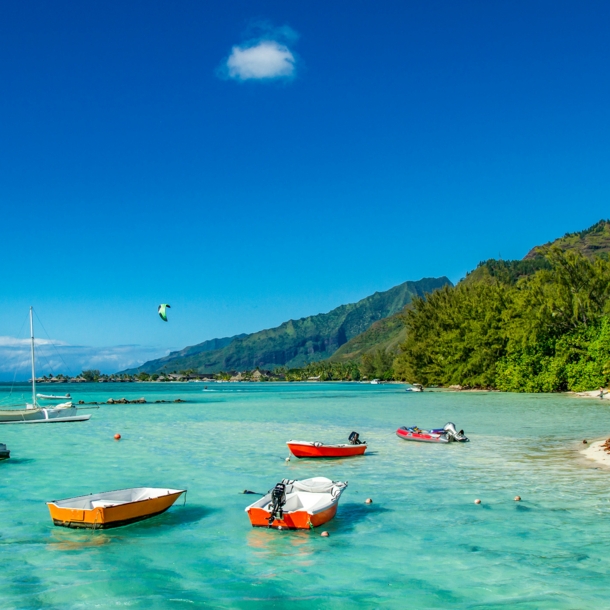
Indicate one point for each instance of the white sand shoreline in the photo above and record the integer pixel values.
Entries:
(595, 451)
(594, 394)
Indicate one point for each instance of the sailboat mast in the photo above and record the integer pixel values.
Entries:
(33, 365)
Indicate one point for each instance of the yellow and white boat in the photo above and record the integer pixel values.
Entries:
(112, 508)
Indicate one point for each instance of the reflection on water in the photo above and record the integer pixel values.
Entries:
(272, 545)
(64, 539)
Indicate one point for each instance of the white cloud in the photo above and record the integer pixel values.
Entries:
(265, 57)
(55, 357)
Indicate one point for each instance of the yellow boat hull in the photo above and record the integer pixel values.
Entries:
(111, 516)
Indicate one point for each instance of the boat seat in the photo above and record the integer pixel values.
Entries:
(106, 503)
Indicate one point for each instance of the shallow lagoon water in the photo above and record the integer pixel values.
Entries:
(423, 543)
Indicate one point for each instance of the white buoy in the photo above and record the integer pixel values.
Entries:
(325, 534)
(368, 501)
(288, 459)
(517, 498)
(477, 501)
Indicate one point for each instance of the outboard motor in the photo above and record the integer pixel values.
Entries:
(354, 439)
(278, 499)
(453, 435)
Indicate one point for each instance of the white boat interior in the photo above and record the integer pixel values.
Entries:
(312, 495)
(107, 499)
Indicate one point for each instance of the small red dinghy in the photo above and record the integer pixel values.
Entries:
(306, 449)
(448, 434)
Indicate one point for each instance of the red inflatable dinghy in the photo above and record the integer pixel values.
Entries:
(448, 434)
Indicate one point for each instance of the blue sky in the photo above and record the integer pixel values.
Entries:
(250, 162)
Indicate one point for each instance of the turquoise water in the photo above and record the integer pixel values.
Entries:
(423, 543)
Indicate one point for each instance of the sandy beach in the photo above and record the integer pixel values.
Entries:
(594, 394)
(596, 451)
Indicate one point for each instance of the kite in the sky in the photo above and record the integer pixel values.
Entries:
(162, 309)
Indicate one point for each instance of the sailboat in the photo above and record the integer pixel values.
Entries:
(34, 413)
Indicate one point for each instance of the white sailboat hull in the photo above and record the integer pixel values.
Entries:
(41, 416)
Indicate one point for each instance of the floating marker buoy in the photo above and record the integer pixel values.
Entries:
(288, 459)
(368, 501)
(517, 498)
(477, 501)
(117, 437)
(279, 527)
(324, 534)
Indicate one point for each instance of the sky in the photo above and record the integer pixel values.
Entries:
(251, 162)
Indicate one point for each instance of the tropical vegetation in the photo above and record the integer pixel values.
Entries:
(540, 332)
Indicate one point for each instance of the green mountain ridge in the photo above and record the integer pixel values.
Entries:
(591, 242)
(541, 324)
(295, 343)
(192, 350)
(389, 333)
(385, 334)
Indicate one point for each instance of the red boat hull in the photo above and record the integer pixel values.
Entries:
(422, 438)
(296, 520)
(305, 450)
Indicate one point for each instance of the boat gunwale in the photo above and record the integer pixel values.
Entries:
(178, 492)
(317, 444)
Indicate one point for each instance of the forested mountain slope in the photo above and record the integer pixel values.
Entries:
(153, 366)
(386, 334)
(297, 342)
(537, 325)
(592, 242)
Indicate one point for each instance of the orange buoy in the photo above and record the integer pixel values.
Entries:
(117, 437)
(517, 498)
(324, 534)
(368, 501)
(477, 501)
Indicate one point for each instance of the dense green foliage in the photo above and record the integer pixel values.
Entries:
(549, 331)
(320, 371)
(295, 343)
(91, 374)
(506, 271)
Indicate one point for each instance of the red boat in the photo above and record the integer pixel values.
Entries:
(297, 504)
(306, 449)
(448, 434)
